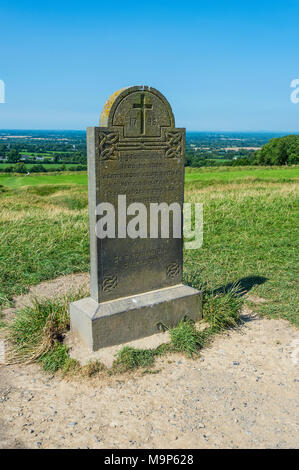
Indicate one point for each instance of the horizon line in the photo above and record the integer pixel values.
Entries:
(212, 131)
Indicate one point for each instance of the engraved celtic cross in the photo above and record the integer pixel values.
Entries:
(143, 106)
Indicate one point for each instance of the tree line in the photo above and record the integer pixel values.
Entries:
(278, 151)
(21, 167)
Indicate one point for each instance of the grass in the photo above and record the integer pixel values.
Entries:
(17, 181)
(201, 176)
(2, 322)
(44, 234)
(185, 338)
(233, 174)
(249, 234)
(221, 311)
(57, 358)
(130, 358)
(36, 335)
(250, 240)
(37, 332)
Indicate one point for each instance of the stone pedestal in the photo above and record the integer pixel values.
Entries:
(129, 318)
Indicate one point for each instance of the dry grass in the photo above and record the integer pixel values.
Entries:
(38, 328)
(241, 191)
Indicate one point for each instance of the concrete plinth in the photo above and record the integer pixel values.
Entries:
(129, 318)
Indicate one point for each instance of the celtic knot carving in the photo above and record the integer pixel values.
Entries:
(173, 270)
(174, 142)
(108, 146)
(109, 283)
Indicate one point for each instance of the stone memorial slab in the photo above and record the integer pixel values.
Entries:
(135, 156)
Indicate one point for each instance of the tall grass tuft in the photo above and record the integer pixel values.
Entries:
(130, 358)
(187, 339)
(37, 332)
(222, 311)
(57, 358)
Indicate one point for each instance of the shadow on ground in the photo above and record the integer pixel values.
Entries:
(242, 287)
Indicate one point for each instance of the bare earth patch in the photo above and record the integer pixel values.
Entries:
(50, 289)
(241, 392)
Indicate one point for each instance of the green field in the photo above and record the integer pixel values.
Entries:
(250, 238)
(63, 178)
(203, 176)
(239, 174)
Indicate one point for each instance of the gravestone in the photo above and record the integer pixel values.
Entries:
(136, 155)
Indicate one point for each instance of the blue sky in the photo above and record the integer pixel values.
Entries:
(223, 65)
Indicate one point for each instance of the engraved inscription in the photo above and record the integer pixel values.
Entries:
(144, 175)
(142, 114)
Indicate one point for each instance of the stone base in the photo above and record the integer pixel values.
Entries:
(129, 318)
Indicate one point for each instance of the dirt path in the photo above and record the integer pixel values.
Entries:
(241, 392)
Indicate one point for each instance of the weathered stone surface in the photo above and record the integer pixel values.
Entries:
(138, 154)
(129, 318)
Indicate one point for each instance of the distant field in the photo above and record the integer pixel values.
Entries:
(16, 181)
(200, 176)
(48, 166)
(230, 174)
(48, 153)
(250, 237)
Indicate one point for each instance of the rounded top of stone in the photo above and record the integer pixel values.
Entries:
(140, 97)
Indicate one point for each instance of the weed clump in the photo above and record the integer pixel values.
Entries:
(37, 332)
(187, 339)
(222, 311)
(92, 368)
(130, 358)
(57, 358)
